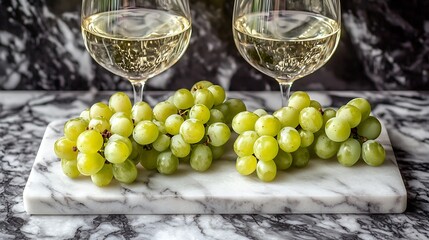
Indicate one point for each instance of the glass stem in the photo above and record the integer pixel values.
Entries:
(138, 87)
(285, 91)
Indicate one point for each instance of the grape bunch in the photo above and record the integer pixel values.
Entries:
(108, 141)
(292, 134)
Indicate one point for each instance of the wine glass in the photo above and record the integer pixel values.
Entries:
(136, 39)
(286, 39)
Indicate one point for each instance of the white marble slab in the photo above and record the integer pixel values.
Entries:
(324, 186)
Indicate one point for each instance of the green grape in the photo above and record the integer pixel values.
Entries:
(349, 152)
(283, 160)
(218, 94)
(136, 150)
(99, 124)
(307, 138)
(201, 158)
(243, 145)
(141, 111)
(116, 151)
(161, 143)
(125, 172)
(299, 100)
(289, 139)
(167, 163)
(170, 99)
(266, 170)
(161, 126)
(119, 115)
(127, 141)
(148, 158)
(244, 121)
(266, 148)
(324, 147)
(351, 114)
(315, 104)
(205, 97)
(120, 102)
(85, 115)
(363, 105)
(267, 125)
(173, 123)
(300, 157)
(246, 165)
(260, 112)
(121, 125)
(373, 153)
(223, 108)
(192, 131)
(217, 152)
(69, 168)
(235, 106)
(74, 127)
(337, 129)
(104, 176)
(100, 109)
(219, 134)
(89, 163)
(145, 132)
(186, 159)
(200, 112)
(215, 116)
(183, 99)
(288, 116)
(89, 141)
(201, 85)
(163, 110)
(370, 128)
(179, 147)
(328, 114)
(310, 119)
(64, 148)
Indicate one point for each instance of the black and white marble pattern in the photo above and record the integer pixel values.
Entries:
(24, 116)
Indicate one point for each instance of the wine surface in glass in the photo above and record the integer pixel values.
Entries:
(136, 43)
(286, 45)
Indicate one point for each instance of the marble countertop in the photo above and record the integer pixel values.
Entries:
(24, 116)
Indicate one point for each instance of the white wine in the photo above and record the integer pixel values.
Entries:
(286, 45)
(136, 43)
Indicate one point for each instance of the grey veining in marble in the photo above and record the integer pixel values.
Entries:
(25, 115)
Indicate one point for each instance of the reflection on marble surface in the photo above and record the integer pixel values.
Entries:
(384, 45)
(25, 115)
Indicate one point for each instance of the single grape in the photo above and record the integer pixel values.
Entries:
(223, 108)
(85, 115)
(179, 147)
(100, 109)
(148, 158)
(300, 157)
(267, 125)
(235, 106)
(74, 127)
(315, 104)
(120, 102)
(104, 176)
(243, 145)
(266, 170)
(246, 165)
(89, 163)
(145, 132)
(201, 157)
(173, 123)
(310, 119)
(89, 141)
(116, 151)
(201, 85)
(324, 147)
(127, 141)
(351, 114)
(183, 99)
(219, 134)
(217, 152)
(349, 152)
(192, 131)
(167, 163)
(170, 99)
(125, 172)
(289, 139)
(215, 116)
(337, 129)
(283, 160)
(299, 100)
(363, 105)
(136, 150)
(161, 143)
(163, 110)
(288, 116)
(244, 121)
(200, 112)
(205, 97)
(69, 168)
(64, 148)
(260, 112)
(328, 114)
(99, 124)
(307, 138)
(121, 125)
(373, 153)
(370, 128)
(141, 111)
(218, 94)
(266, 148)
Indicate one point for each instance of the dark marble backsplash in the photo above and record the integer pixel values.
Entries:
(384, 45)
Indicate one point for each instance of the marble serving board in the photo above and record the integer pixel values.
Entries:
(324, 186)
